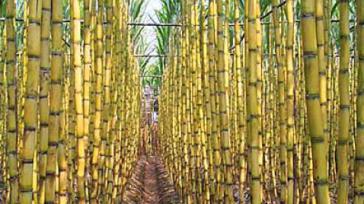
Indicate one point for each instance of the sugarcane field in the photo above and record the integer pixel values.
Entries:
(182, 101)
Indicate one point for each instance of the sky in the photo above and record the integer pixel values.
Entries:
(149, 32)
(153, 4)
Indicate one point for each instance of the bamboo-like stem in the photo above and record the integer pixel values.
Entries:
(43, 97)
(77, 67)
(98, 104)
(71, 119)
(316, 128)
(203, 99)
(344, 111)
(87, 66)
(31, 99)
(12, 116)
(56, 147)
(225, 195)
(108, 99)
(240, 109)
(359, 154)
(216, 158)
(3, 106)
(252, 103)
(290, 102)
(320, 24)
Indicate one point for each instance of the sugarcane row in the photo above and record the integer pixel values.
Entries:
(70, 115)
(280, 120)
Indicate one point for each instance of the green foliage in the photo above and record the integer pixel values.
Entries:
(142, 47)
(169, 13)
(137, 15)
(2, 8)
(153, 78)
(136, 10)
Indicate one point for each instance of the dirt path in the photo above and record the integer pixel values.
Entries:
(150, 184)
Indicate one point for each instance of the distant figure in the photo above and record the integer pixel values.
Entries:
(155, 143)
(155, 111)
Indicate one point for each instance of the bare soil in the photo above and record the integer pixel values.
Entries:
(150, 184)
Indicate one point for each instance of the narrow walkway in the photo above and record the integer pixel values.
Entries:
(150, 184)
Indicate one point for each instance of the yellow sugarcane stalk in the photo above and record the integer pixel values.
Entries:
(11, 120)
(56, 147)
(359, 154)
(43, 97)
(315, 124)
(31, 99)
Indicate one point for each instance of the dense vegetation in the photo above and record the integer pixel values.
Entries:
(265, 99)
(260, 101)
(69, 102)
